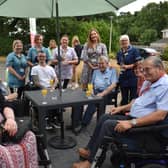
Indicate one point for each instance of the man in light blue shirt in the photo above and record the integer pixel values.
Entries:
(104, 81)
(150, 108)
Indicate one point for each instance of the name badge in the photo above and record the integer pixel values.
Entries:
(21, 70)
(93, 60)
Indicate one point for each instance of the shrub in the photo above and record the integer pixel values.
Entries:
(165, 54)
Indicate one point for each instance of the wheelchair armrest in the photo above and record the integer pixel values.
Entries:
(153, 128)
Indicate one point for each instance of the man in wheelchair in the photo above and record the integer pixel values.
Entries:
(150, 108)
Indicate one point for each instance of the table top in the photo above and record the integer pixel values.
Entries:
(69, 97)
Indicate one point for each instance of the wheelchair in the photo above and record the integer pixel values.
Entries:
(122, 157)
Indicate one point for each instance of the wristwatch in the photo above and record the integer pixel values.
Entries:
(133, 122)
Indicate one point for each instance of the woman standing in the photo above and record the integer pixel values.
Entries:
(52, 46)
(126, 58)
(77, 69)
(92, 50)
(68, 59)
(17, 68)
(33, 51)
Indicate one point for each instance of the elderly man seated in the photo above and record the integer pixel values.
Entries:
(104, 81)
(150, 107)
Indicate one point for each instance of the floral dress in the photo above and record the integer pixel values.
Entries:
(91, 55)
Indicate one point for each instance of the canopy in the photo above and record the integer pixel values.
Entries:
(47, 8)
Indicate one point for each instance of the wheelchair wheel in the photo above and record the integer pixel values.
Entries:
(154, 166)
(115, 160)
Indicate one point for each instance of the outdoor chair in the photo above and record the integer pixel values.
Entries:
(154, 157)
(24, 108)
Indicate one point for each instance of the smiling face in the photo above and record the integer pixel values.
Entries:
(64, 41)
(38, 40)
(94, 36)
(138, 69)
(151, 72)
(124, 43)
(17, 46)
(41, 58)
(102, 65)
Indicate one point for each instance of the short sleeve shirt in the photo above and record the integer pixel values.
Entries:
(102, 80)
(155, 98)
(44, 73)
(127, 78)
(19, 64)
(32, 54)
(66, 70)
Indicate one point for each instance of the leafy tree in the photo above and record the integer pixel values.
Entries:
(147, 36)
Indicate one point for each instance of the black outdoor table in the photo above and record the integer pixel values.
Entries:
(69, 98)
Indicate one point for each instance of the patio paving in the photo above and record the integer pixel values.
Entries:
(65, 158)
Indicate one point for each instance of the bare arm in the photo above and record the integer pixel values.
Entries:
(12, 71)
(75, 61)
(119, 109)
(152, 118)
(30, 63)
(149, 119)
(107, 90)
(10, 123)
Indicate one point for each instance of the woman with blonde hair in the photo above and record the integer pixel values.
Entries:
(17, 68)
(92, 50)
(52, 46)
(77, 69)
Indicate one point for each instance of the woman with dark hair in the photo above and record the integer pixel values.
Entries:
(69, 58)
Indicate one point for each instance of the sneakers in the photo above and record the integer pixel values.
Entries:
(52, 124)
(55, 123)
(48, 126)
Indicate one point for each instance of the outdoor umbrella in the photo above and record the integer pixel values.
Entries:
(47, 8)
(58, 8)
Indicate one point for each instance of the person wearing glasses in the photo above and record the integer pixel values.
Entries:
(150, 108)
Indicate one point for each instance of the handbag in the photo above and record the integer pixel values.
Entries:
(24, 125)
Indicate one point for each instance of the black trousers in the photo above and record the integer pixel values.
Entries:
(128, 93)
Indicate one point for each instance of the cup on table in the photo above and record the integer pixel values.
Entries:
(44, 93)
(51, 85)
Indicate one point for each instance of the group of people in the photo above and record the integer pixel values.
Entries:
(143, 85)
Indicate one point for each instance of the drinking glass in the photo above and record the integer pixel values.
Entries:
(88, 93)
(51, 85)
(44, 93)
(15, 89)
(90, 87)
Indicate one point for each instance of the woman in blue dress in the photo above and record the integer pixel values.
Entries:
(126, 58)
(17, 68)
